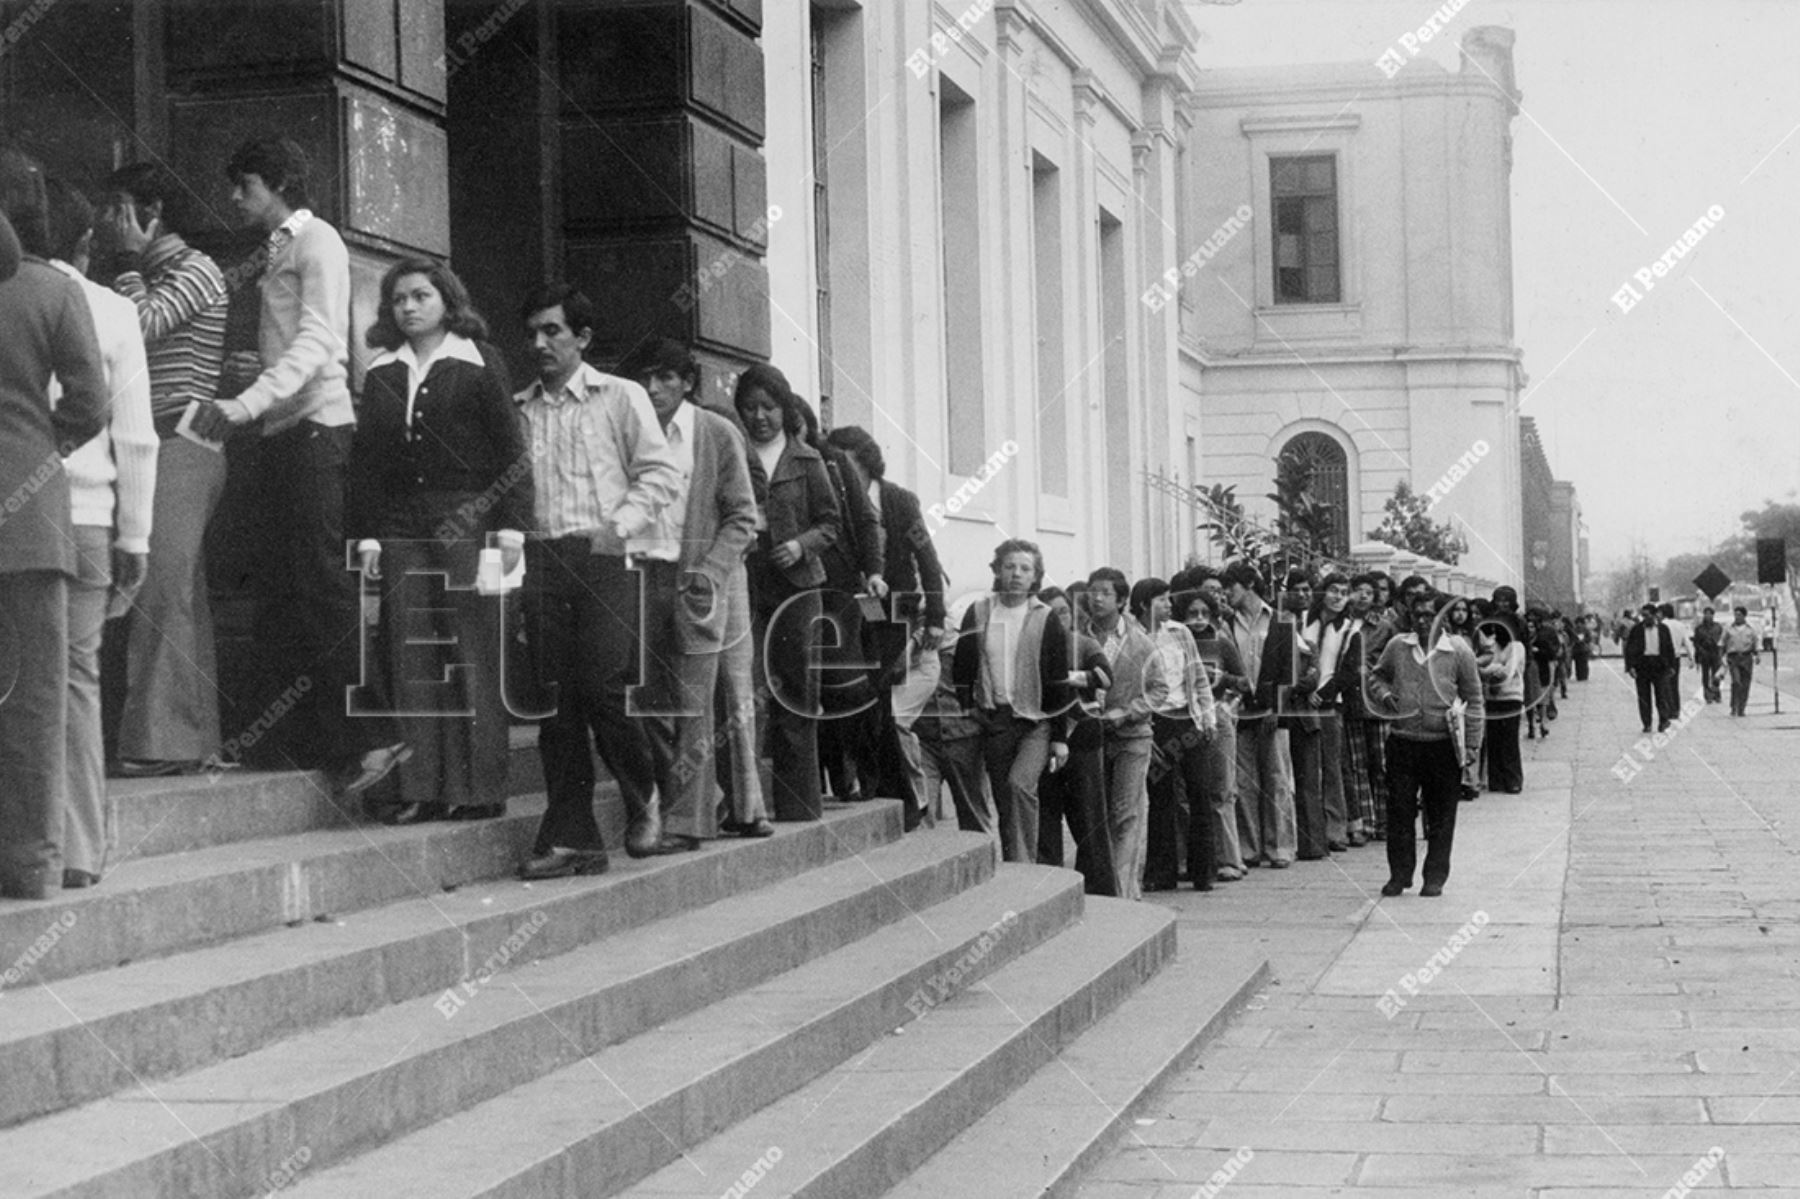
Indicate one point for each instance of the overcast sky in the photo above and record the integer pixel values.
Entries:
(1638, 116)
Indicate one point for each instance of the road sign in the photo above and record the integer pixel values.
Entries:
(1712, 580)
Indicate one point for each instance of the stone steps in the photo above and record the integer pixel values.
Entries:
(601, 1125)
(865, 1125)
(268, 994)
(96, 1033)
(1039, 1140)
(348, 1086)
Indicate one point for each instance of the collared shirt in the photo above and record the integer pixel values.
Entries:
(1652, 640)
(1740, 639)
(454, 346)
(302, 329)
(1110, 645)
(287, 231)
(604, 460)
(662, 542)
(1249, 633)
(1000, 649)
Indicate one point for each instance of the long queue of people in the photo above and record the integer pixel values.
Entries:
(677, 590)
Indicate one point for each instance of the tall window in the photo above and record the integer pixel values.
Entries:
(960, 174)
(1330, 480)
(821, 156)
(1047, 253)
(1304, 194)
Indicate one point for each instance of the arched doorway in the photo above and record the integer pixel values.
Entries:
(1330, 468)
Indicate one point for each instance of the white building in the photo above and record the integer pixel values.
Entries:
(982, 202)
(1366, 319)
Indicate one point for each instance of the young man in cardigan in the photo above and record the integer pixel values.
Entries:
(694, 551)
(1011, 665)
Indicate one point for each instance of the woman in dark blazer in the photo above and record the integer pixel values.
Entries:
(438, 471)
(800, 520)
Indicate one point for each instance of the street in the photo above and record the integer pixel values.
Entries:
(1623, 1020)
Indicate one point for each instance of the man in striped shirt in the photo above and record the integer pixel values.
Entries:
(171, 711)
(604, 472)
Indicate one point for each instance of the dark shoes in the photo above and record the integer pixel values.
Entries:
(1161, 884)
(374, 766)
(135, 768)
(1394, 887)
(1431, 890)
(477, 811)
(665, 845)
(1337, 846)
(562, 863)
(754, 828)
(75, 880)
(413, 813)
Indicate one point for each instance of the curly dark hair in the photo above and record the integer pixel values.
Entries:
(460, 316)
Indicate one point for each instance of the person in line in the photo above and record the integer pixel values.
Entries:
(1267, 825)
(439, 471)
(112, 482)
(1365, 779)
(704, 535)
(166, 662)
(1503, 682)
(1649, 659)
(802, 520)
(1076, 794)
(950, 752)
(1328, 623)
(849, 687)
(1422, 672)
(1459, 622)
(1136, 689)
(605, 473)
(915, 579)
(1011, 666)
(1709, 654)
(1180, 725)
(1199, 608)
(49, 331)
(308, 606)
(1740, 646)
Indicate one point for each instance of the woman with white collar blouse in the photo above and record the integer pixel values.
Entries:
(439, 469)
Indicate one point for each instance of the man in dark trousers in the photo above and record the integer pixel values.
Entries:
(1709, 654)
(1421, 673)
(48, 330)
(910, 639)
(604, 473)
(1650, 660)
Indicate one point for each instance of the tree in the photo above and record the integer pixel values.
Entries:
(1783, 521)
(1236, 535)
(1301, 517)
(1408, 526)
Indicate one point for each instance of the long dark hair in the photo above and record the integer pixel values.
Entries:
(460, 316)
(774, 384)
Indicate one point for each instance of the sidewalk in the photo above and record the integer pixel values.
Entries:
(1623, 1019)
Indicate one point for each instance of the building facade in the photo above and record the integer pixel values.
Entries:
(1050, 263)
(1555, 545)
(1352, 302)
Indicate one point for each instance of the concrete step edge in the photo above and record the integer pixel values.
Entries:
(633, 1108)
(92, 1035)
(358, 1083)
(866, 1128)
(1041, 1139)
(178, 814)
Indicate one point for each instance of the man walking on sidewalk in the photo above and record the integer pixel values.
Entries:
(1649, 659)
(1740, 658)
(1709, 636)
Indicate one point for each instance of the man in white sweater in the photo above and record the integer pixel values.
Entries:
(112, 484)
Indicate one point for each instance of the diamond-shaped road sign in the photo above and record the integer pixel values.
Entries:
(1712, 580)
